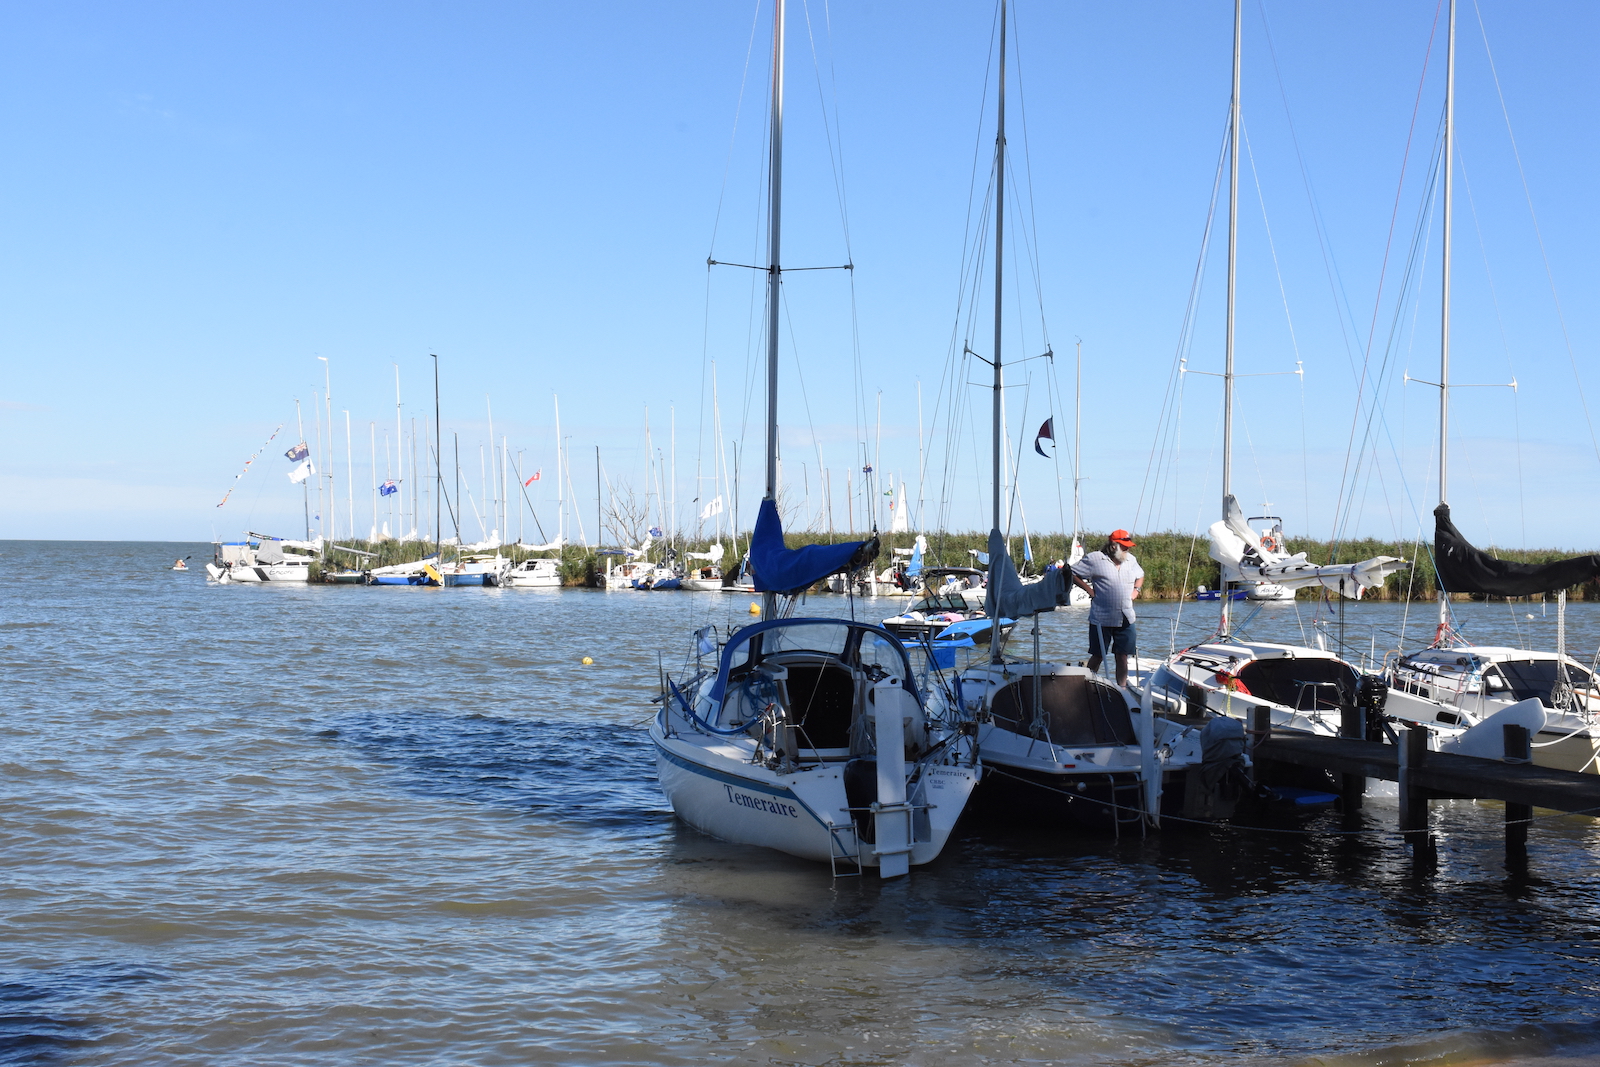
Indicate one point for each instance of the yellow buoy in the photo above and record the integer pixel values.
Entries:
(587, 661)
(755, 609)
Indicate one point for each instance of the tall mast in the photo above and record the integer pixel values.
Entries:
(561, 503)
(1444, 285)
(305, 488)
(1233, 255)
(438, 468)
(1077, 445)
(996, 646)
(999, 262)
(400, 458)
(769, 601)
(350, 475)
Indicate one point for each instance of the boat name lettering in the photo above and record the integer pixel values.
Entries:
(745, 800)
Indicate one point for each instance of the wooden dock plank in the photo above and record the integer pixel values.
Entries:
(1441, 773)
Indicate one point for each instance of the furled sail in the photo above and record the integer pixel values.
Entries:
(1242, 556)
(1464, 569)
(779, 569)
(1009, 597)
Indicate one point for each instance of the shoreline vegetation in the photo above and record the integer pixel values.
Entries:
(1175, 564)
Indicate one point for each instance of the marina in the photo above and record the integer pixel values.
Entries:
(801, 536)
(214, 858)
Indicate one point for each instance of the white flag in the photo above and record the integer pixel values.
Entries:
(713, 508)
(302, 471)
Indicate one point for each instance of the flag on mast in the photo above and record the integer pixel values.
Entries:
(1046, 433)
(536, 475)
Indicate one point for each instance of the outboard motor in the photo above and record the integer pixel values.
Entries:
(1371, 696)
(1212, 789)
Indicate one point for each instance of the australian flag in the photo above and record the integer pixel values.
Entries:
(297, 453)
(388, 488)
(655, 531)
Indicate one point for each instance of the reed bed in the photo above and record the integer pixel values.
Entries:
(1175, 564)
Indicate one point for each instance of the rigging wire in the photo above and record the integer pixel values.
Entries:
(1544, 254)
(1170, 413)
(1383, 271)
(1505, 344)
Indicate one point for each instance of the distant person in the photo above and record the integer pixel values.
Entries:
(1113, 579)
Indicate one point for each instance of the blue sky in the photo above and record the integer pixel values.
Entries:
(199, 200)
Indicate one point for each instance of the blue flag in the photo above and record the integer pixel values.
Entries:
(297, 453)
(388, 488)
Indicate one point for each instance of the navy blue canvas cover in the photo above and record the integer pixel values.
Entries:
(779, 569)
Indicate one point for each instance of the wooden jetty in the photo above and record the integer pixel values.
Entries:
(1424, 775)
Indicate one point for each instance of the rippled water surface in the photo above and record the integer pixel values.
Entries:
(271, 825)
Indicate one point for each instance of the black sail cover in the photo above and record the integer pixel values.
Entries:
(1464, 569)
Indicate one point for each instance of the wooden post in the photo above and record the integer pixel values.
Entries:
(1353, 723)
(1413, 803)
(1260, 725)
(1518, 748)
(1259, 730)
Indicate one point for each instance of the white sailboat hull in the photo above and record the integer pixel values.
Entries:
(713, 787)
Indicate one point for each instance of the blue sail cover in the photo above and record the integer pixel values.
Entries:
(779, 569)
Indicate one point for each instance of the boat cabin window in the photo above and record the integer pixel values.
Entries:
(1303, 684)
(1527, 679)
(1077, 710)
(943, 602)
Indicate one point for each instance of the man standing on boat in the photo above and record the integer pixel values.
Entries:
(1113, 578)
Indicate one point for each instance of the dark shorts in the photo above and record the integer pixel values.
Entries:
(1124, 640)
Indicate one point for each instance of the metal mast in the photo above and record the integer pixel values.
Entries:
(400, 458)
(999, 261)
(769, 601)
(1077, 447)
(995, 645)
(1233, 250)
(1444, 293)
(438, 468)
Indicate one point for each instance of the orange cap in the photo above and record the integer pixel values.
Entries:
(1123, 538)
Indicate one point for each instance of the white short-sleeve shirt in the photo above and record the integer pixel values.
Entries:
(1113, 587)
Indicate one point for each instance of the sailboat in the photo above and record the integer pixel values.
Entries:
(807, 735)
(1462, 692)
(1303, 689)
(1055, 738)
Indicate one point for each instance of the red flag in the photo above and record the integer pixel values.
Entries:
(535, 477)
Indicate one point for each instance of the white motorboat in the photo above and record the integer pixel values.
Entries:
(259, 561)
(542, 573)
(707, 576)
(624, 575)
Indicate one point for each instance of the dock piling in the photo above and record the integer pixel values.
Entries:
(1413, 798)
(1518, 749)
(1353, 723)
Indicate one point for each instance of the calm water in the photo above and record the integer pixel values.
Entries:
(270, 825)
